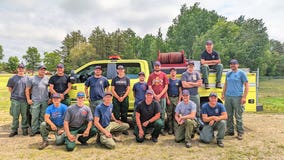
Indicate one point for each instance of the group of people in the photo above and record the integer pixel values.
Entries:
(161, 104)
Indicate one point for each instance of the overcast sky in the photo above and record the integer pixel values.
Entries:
(44, 24)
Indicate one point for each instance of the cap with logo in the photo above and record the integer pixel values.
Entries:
(80, 94)
(141, 73)
(149, 92)
(190, 62)
(98, 67)
(120, 67)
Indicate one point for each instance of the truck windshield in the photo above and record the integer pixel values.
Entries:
(109, 71)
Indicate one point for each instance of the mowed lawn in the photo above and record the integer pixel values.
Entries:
(263, 139)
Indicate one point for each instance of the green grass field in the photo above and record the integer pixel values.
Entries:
(271, 95)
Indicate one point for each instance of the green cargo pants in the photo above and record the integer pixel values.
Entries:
(207, 132)
(185, 130)
(196, 100)
(37, 112)
(205, 72)
(66, 100)
(234, 108)
(44, 131)
(157, 125)
(112, 128)
(171, 113)
(70, 146)
(17, 108)
(120, 109)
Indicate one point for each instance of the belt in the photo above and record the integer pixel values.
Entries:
(173, 95)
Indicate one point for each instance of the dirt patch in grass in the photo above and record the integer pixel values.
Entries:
(263, 139)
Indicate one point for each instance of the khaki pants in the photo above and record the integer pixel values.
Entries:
(112, 127)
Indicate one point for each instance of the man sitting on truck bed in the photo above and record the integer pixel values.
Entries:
(210, 60)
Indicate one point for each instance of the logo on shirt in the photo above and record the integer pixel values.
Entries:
(101, 82)
(216, 110)
(84, 112)
(157, 81)
(194, 78)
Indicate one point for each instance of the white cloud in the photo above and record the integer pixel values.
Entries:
(44, 24)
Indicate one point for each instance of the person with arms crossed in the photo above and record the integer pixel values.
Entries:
(60, 83)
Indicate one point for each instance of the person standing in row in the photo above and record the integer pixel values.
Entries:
(19, 106)
(98, 85)
(173, 98)
(120, 87)
(37, 98)
(139, 90)
(235, 97)
(158, 83)
(191, 80)
(60, 83)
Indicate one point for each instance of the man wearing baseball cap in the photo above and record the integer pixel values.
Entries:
(120, 87)
(19, 106)
(158, 83)
(148, 113)
(78, 120)
(210, 59)
(173, 98)
(53, 121)
(60, 83)
(98, 85)
(37, 98)
(214, 115)
(106, 123)
(185, 113)
(139, 90)
(235, 96)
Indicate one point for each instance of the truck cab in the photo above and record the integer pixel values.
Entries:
(132, 68)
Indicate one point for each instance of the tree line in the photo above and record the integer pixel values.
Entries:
(244, 39)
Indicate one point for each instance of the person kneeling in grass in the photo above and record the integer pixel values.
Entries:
(102, 120)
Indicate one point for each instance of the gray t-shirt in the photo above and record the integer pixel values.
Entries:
(39, 86)
(18, 85)
(185, 109)
(191, 77)
(77, 116)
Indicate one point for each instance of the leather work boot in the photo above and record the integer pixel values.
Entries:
(43, 145)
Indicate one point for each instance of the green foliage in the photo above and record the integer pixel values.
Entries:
(1, 53)
(50, 60)
(32, 58)
(191, 22)
(81, 54)
(12, 64)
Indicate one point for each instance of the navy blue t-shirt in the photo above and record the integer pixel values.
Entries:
(139, 89)
(104, 113)
(206, 56)
(174, 85)
(216, 111)
(97, 87)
